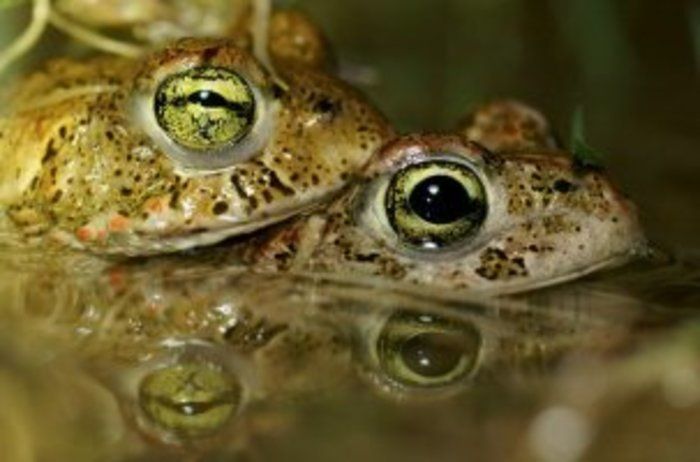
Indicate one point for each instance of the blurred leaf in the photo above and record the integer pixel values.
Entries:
(584, 155)
(10, 3)
(286, 3)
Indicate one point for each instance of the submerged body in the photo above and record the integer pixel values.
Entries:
(192, 145)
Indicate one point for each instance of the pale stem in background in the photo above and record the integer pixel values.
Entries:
(41, 10)
(95, 39)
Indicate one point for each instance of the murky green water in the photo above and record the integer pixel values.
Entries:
(197, 362)
(189, 361)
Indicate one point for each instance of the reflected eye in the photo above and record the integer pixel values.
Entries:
(191, 399)
(425, 350)
(205, 108)
(435, 204)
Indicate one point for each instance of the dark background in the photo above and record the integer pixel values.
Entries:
(634, 66)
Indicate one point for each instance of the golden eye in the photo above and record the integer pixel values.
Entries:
(425, 350)
(205, 108)
(190, 399)
(435, 204)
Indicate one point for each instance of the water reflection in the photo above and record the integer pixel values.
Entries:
(424, 350)
(204, 358)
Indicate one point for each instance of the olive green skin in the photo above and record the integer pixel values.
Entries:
(81, 169)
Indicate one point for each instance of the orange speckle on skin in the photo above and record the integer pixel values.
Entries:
(117, 280)
(118, 223)
(156, 205)
(84, 234)
(153, 309)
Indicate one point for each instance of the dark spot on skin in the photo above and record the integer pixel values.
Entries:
(491, 159)
(277, 184)
(220, 208)
(367, 258)
(328, 107)
(498, 253)
(563, 186)
(126, 192)
(109, 135)
(235, 181)
(209, 53)
(50, 152)
(277, 91)
(174, 199)
(495, 265)
(57, 196)
(267, 195)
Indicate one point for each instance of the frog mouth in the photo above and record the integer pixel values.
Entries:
(585, 270)
(149, 241)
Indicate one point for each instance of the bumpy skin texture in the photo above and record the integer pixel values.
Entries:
(293, 37)
(547, 222)
(508, 126)
(79, 168)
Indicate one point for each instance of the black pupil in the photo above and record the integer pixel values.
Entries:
(208, 99)
(440, 200)
(433, 354)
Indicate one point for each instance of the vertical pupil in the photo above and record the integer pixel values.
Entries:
(441, 199)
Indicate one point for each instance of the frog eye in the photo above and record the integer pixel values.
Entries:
(426, 351)
(435, 204)
(207, 117)
(191, 399)
(205, 108)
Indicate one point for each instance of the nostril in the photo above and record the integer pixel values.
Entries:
(563, 186)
